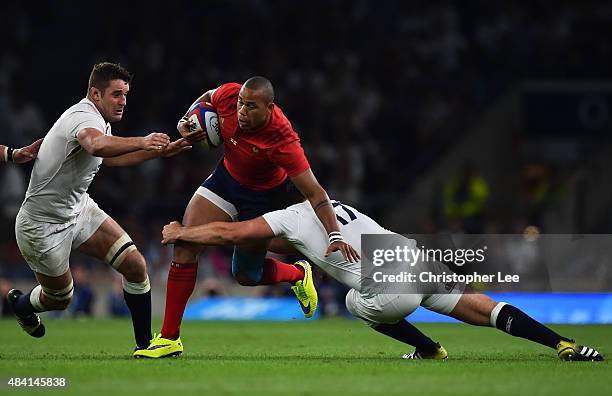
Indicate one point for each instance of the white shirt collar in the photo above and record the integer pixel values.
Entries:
(86, 100)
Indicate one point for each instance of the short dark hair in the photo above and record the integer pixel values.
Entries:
(103, 73)
(259, 83)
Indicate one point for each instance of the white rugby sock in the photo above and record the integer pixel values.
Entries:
(495, 313)
(137, 287)
(35, 299)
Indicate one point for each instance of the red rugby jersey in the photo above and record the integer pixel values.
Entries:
(261, 159)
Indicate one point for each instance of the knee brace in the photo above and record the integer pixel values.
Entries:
(119, 250)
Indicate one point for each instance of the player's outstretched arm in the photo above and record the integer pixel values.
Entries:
(218, 233)
(20, 155)
(100, 145)
(316, 195)
(140, 156)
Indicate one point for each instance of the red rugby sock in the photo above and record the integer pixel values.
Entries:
(275, 271)
(181, 281)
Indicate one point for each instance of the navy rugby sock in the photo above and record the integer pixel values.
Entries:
(408, 334)
(140, 308)
(513, 321)
(24, 307)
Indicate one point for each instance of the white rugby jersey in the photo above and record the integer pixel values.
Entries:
(63, 170)
(299, 225)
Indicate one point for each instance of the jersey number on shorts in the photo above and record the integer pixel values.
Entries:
(349, 212)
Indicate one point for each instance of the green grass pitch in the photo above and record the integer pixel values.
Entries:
(339, 357)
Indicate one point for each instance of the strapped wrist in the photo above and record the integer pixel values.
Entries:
(335, 236)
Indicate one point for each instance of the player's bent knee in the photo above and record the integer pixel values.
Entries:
(381, 308)
(134, 267)
(353, 304)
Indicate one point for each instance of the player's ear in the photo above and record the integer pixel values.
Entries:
(95, 93)
(270, 106)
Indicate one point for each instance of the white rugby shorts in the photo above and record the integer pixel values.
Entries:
(46, 247)
(391, 308)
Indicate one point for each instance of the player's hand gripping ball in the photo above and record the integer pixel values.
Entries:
(203, 116)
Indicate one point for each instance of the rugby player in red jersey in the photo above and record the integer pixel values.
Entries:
(262, 157)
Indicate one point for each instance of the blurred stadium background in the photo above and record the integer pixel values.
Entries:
(477, 117)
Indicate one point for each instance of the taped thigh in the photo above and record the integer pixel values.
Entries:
(119, 250)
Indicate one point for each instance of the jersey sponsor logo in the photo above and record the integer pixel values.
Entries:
(255, 150)
(234, 142)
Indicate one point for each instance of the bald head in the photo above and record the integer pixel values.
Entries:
(263, 86)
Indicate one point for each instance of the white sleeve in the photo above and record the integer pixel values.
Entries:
(81, 120)
(284, 223)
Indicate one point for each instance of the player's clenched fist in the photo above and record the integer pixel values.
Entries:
(184, 127)
(171, 232)
(189, 132)
(155, 141)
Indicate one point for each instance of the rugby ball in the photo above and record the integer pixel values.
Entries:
(204, 117)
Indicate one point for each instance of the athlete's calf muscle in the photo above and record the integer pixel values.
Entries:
(474, 308)
(133, 268)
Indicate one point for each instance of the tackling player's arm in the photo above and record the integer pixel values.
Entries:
(100, 145)
(137, 157)
(218, 233)
(316, 195)
(125, 151)
(20, 155)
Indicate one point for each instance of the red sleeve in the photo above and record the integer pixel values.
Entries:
(290, 157)
(225, 97)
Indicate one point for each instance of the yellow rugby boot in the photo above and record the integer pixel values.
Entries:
(568, 350)
(439, 354)
(305, 290)
(160, 348)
